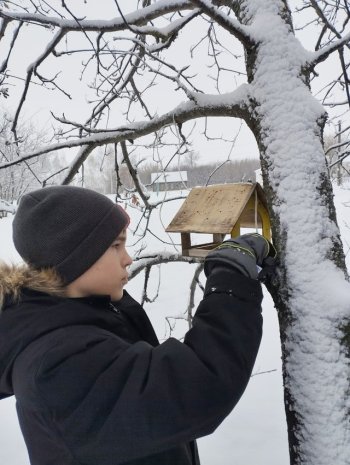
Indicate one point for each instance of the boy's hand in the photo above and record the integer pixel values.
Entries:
(244, 253)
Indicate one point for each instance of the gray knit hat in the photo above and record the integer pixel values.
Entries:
(67, 228)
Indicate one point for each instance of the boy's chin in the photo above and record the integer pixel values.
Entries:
(117, 296)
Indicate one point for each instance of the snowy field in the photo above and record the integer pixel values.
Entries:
(255, 432)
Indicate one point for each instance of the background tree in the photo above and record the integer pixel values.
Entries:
(337, 154)
(135, 63)
(20, 177)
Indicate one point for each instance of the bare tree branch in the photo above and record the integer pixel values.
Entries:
(3, 25)
(134, 176)
(231, 25)
(262, 372)
(143, 261)
(83, 153)
(193, 286)
(137, 18)
(167, 32)
(232, 104)
(13, 40)
(32, 69)
(323, 54)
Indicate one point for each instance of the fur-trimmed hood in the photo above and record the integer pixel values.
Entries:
(23, 292)
(13, 278)
(34, 306)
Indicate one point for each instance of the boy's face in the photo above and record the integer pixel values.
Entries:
(107, 276)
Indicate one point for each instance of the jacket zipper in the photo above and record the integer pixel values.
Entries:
(115, 309)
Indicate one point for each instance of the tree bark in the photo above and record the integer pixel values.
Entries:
(279, 170)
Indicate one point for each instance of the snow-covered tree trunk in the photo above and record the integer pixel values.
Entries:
(311, 295)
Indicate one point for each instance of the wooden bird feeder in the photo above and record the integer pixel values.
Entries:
(219, 210)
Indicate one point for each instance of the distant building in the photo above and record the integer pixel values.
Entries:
(258, 177)
(169, 181)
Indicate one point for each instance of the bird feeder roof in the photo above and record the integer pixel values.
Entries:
(214, 209)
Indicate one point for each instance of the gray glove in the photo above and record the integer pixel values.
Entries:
(244, 253)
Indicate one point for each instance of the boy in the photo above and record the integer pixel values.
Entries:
(92, 383)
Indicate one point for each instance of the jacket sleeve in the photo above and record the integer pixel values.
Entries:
(136, 400)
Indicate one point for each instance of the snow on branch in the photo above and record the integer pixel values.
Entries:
(137, 18)
(323, 54)
(13, 40)
(3, 25)
(231, 25)
(156, 258)
(165, 33)
(234, 104)
(341, 157)
(336, 146)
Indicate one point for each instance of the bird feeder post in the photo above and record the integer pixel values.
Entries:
(185, 243)
(266, 226)
(218, 238)
(236, 231)
(255, 215)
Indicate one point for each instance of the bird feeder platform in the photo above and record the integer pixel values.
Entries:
(219, 210)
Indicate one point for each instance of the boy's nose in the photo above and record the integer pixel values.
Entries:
(128, 260)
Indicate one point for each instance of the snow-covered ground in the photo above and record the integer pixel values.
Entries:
(255, 432)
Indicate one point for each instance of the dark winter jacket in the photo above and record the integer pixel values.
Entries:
(94, 387)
